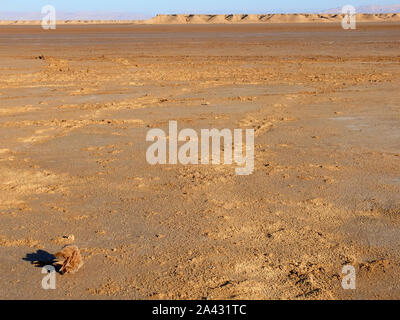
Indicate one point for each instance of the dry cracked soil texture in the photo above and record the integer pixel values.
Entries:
(76, 104)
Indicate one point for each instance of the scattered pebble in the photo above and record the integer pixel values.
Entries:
(70, 237)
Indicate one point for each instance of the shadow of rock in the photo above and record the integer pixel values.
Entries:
(40, 258)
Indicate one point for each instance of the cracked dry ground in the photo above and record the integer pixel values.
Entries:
(76, 104)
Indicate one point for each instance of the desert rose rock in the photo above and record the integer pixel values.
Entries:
(68, 259)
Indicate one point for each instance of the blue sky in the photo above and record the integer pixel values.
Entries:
(183, 6)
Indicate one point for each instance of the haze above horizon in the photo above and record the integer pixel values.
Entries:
(153, 7)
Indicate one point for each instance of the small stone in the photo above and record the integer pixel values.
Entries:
(70, 237)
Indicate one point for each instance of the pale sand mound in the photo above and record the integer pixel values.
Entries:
(267, 18)
(228, 19)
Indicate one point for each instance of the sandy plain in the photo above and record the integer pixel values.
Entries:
(76, 104)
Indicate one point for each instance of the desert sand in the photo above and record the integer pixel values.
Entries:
(76, 104)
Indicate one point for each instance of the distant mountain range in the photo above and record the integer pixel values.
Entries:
(74, 16)
(394, 8)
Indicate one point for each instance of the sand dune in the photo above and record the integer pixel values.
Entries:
(266, 18)
(229, 19)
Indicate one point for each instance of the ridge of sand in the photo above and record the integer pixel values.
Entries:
(227, 19)
(266, 18)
